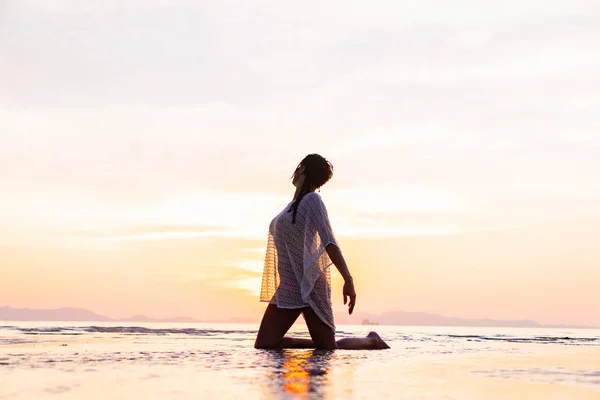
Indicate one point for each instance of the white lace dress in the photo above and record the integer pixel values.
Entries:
(296, 272)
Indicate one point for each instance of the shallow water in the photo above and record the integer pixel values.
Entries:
(100, 360)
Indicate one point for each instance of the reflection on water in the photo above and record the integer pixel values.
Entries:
(299, 372)
(189, 361)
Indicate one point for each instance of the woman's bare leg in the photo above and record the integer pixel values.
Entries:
(324, 337)
(277, 321)
(296, 343)
(372, 342)
(275, 324)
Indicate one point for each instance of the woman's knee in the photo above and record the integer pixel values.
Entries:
(274, 325)
(322, 335)
(326, 345)
(265, 342)
(263, 345)
(325, 340)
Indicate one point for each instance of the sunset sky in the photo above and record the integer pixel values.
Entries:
(146, 145)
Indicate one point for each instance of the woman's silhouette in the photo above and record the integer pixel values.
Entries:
(296, 278)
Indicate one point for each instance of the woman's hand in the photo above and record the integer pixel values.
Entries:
(349, 292)
(337, 258)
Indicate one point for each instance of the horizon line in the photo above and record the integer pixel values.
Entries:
(138, 318)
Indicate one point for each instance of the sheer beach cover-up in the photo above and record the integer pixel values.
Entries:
(296, 271)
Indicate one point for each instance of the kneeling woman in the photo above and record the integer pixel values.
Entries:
(296, 278)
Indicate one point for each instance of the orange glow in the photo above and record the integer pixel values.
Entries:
(297, 378)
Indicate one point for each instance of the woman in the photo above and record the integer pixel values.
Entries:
(296, 278)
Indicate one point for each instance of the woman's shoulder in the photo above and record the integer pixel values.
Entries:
(313, 197)
(313, 200)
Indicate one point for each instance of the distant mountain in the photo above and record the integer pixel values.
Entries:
(389, 318)
(143, 318)
(426, 319)
(75, 314)
(60, 314)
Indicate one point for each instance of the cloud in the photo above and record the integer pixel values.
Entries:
(231, 277)
(151, 142)
(122, 111)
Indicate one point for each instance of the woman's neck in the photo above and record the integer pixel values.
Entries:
(299, 188)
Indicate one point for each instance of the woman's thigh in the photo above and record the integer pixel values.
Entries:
(275, 324)
(322, 335)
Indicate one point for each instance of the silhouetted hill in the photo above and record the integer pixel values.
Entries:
(60, 314)
(143, 318)
(242, 320)
(74, 314)
(426, 319)
(389, 318)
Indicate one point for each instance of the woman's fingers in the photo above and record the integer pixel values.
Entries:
(352, 304)
(349, 292)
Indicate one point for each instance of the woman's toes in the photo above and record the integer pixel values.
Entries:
(379, 341)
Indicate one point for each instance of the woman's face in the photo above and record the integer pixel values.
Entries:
(298, 178)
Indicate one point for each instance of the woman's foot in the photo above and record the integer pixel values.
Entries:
(379, 343)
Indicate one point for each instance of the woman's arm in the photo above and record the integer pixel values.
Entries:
(335, 254)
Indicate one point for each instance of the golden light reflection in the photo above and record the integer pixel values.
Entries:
(296, 376)
(301, 373)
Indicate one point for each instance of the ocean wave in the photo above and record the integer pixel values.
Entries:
(140, 330)
(222, 332)
(164, 331)
(534, 339)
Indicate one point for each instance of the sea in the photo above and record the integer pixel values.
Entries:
(64, 360)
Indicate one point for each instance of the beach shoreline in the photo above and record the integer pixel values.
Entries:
(218, 361)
